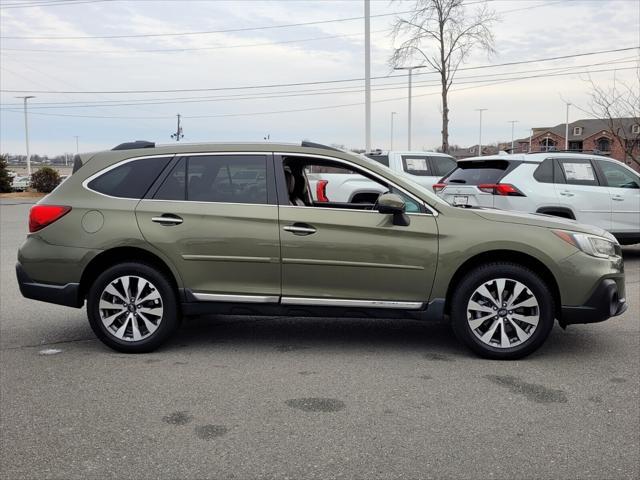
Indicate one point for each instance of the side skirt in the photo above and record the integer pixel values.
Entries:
(434, 311)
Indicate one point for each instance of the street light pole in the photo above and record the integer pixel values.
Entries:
(566, 129)
(26, 132)
(480, 134)
(392, 114)
(410, 69)
(512, 122)
(367, 73)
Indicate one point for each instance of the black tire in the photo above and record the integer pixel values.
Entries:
(485, 273)
(168, 323)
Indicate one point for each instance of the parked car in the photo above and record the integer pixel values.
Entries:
(591, 189)
(148, 235)
(20, 183)
(424, 168)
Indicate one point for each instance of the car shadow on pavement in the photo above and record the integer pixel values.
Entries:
(433, 340)
(289, 334)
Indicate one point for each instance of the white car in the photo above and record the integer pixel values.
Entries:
(20, 184)
(424, 168)
(591, 189)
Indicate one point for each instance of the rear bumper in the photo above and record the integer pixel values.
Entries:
(603, 304)
(68, 294)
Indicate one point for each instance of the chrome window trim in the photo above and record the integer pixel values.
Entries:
(221, 297)
(417, 214)
(433, 212)
(85, 183)
(340, 302)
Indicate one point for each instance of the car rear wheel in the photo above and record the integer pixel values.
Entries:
(132, 308)
(502, 311)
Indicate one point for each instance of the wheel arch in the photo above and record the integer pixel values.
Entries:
(510, 256)
(563, 212)
(116, 255)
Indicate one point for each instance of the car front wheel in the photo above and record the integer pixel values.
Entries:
(502, 311)
(132, 308)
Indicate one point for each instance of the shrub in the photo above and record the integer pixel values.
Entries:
(45, 179)
(5, 181)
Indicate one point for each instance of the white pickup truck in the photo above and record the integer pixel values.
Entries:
(425, 168)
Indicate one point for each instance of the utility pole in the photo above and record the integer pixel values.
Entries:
(512, 122)
(392, 114)
(566, 128)
(480, 135)
(410, 69)
(367, 73)
(77, 148)
(178, 135)
(26, 132)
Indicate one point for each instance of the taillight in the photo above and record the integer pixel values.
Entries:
(438, 186)
(503, 189)
(42, 215)
(321, 191)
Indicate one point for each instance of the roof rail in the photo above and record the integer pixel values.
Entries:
(594, 151)
(134, 145)
(305, 143)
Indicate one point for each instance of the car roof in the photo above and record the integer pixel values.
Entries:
(537, 157)
(408, 152)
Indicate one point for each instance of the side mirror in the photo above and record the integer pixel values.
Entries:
(390, 203)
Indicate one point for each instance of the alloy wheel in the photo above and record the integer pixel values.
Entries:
(130, 308)
(503, 313)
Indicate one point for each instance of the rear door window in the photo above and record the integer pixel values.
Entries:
(478, 172)
(417, 165)
(217, 178)
(579, 172)
(131, 179)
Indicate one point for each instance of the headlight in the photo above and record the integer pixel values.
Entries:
(590, 244)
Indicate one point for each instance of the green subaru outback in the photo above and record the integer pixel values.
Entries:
(148, 235)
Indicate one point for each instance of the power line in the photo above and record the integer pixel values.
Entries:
(193, 49)
(296, 84)
(205, 32)
(325, 107)
(295, 93)
(49, 3)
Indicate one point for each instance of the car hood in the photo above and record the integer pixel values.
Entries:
(538, 220)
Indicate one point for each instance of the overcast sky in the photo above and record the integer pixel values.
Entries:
(527, 30)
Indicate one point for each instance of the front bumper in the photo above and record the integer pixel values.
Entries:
(68, 294)
(603, 304)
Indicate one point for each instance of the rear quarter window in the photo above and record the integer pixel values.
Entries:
(131, 179)
(383, 159)
(443, 165)
(479, 172)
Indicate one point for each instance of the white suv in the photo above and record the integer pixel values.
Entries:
(591, 189)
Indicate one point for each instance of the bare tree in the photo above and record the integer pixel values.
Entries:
(619, 106)
(442, 33)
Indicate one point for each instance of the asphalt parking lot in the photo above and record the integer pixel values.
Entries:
(310, 398)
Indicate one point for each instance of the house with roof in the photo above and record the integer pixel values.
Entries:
(618, 138)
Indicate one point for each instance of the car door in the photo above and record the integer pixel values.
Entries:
(215, 217)
(582, 193)
(352, 256)
(624, 189)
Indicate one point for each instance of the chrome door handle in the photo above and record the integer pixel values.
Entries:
(566, 193)
(167, 220)
(617, 198)
(300, 229)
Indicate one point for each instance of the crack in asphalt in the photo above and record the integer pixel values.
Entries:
(49, 343)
